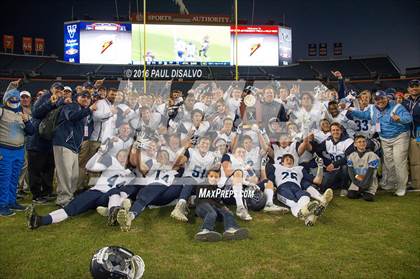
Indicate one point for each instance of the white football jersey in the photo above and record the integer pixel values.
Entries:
(236, 164)
(320, 136)
(280, 151)
(364, 127)
(198, 165)
(113, 175)
(348, 125)
(336, 151)
(201, 131)
(253, 159)
(284, 174)
(159, 173)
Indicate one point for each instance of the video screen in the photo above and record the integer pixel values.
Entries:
(182, 44)
(105, 43)
(257, 45)
(285, 46)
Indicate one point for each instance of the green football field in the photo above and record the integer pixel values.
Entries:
(354, 239)
(161, 41)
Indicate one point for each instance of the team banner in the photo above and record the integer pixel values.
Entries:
(72, 42)
(39, 45)
(8, 42)
(27, 44)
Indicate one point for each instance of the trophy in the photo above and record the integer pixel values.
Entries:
(249, 115)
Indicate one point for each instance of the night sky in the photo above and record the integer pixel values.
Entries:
(372, 27)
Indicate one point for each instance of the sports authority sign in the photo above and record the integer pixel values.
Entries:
(176, 18)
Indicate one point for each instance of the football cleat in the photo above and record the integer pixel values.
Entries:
(207, 235)
(326, 199)
(243, 214)
(103, 211)
(307, 210)
(275, 208)
(400, 192)
(112, 215)
(124, 219)
(126, 204)
(310, 220)
(180, 211)
(33, 220)
(235, 234)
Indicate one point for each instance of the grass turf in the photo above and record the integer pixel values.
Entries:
(354, 239)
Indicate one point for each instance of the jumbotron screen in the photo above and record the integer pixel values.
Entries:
(181, 44)
(209, 45)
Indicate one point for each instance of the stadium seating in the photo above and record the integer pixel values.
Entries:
(363, 73)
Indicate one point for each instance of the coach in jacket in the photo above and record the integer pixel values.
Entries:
(66, 145)
(392, 122)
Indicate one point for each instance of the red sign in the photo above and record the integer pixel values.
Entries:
(8, 42)
(260, 29)
(177, 18)
(27, 44)
(39, 45)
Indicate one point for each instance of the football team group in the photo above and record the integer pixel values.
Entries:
(279, 148)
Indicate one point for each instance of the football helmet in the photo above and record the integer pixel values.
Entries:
(116, 262)
(257, 201)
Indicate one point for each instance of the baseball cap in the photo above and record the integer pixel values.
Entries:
(87, 84)
(380, 94)
(414, 83)
(390, 93)
(25, 93)
(68, 88)
(84, 94)
(57, 84)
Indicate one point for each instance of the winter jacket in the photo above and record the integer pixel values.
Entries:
(70, 130)
(413, 106)
(388, 127)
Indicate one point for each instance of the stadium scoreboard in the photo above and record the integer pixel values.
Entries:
(176, 44)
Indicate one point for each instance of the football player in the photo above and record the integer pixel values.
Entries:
(159, 176)
(294, 189)
(114, 175)
(362, 165)
(285, 146)
(334, 151)
(204, 46)
(196, 162)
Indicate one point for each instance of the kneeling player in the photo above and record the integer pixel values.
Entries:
(362, 166)
(210, 208)
(113, 175)
(291, 189)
